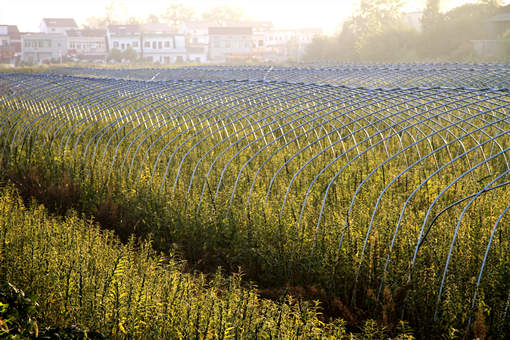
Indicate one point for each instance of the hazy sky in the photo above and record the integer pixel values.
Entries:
(326, 14)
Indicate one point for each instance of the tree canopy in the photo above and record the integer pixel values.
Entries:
(377, 32)
(178, 13)
(220, 15)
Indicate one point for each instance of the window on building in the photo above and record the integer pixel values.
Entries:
(216, 44)
(174, 45)
(167, 59)
(261, 43)
(115, 44)
(160, 44)
(147, 44)
(123, 46)
(135, 44)
(154, 44)
(167, 45)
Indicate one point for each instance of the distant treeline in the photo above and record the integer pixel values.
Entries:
(378, 33)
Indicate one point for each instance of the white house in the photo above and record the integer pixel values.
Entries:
(197, 40)
(57, 25)
(43, 47)
(196, 32)
(495, 43)
(87, 44)
(230, 43)
(10, 44)
(122, 37)
(197, 54)
(289, 44)
(161, 44)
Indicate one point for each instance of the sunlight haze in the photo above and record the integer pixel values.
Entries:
(325, 14)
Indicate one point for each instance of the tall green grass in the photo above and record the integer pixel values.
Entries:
(277, 250)
(83, 275)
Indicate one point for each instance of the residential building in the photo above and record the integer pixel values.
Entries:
(232, 44)
(197, 54)
(304, 38)
(10, 44)
(287, 44)
(57, 25)
(87, 44)
(498, 25)
(122, 37)
(161, 44)
(495, 45)
(196, 32)
(197, 41)
(43, 47)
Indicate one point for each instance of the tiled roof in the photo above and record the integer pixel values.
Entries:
(230, 30)
(253, 24)
(60, 22)
(86, 33)
(124, 29)
(198, 25)
(10, 30)
(157, 28)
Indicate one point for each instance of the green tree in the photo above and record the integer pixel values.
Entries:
(133, 21)
(114, 12)
(96, 22)
(451, 36)
(115, 55)
(220, 15)
(364, 35)
(397, 43)
(431, 15)
(130, 55)
(153, 19)
(373, 16)
(176, 14)
(324, 48)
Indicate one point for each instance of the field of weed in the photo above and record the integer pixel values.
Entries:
(385, 203)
